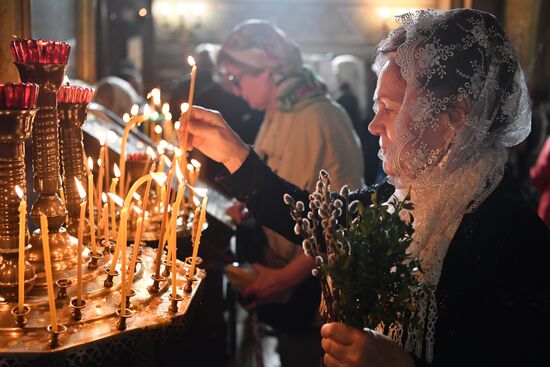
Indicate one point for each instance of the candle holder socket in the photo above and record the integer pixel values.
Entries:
(174, 303)
(108, 283)
(188, 288)
(62, 297)
(95, 257)
(77, 308)
(54, 334)
(167, 269)
(121, 323)
(108, 246)
(154, 289)
(129, 295)
(20, 319)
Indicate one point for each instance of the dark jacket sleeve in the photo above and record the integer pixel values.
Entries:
(255, 184)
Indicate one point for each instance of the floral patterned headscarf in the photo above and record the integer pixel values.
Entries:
(261, 45)
(449, 60)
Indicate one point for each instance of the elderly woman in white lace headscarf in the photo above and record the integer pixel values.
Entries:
(450, 100)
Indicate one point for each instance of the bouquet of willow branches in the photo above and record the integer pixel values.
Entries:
(365, 271)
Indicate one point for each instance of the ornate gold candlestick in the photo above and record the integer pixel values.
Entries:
(45, 62)
(15, 127)
(72, 109)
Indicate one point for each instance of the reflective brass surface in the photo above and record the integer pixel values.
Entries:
(46, 169)
(15, 127)
(72, 116)
(99, 319)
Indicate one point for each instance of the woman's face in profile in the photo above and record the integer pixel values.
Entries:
(255, 89)
(404, 146)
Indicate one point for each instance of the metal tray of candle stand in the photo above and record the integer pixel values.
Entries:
(92, 339)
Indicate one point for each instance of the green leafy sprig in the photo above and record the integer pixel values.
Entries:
(365, 271)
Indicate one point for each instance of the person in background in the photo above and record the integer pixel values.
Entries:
(451, 98)
(116, 94)
(210, 93)
(303, 131)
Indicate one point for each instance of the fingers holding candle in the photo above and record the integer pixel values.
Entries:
(209, 133)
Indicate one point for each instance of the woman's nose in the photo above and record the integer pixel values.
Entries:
(376, 127)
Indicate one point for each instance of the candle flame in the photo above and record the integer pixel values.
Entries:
(99, 162)
(126, 117)
(103, 140)
(178, 152)
(146, 111)
(135, 110)
(167, 161)
(200, 191)
(184, 107)
(158, 129)
(136, 196)
(80, 188)
(177, 125)
(155, 93)
(190, 167)
(151, 153)
(160, 150)
(116, 170)
(179, 174)
(168, 116)
(159, 177)
(165, 108)
(191, 61)
(19, 191)
(90, 163)
(137, 209)
(195, 163)
(104, 197)
(196, 201)
(116, 199)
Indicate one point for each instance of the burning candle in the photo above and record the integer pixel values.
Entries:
(101, 167)
(48, 267)
(135, 251)
(91, 203)
(134, 110)
(136, 120)
(122, 245)
(197, 240)
(105, 218)
(173, 222)
(112, 189)
(104, 142)
(79, 285)
(22, 237)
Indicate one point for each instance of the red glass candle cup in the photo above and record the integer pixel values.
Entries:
(74, 94)
(40, 51)
(19, 96)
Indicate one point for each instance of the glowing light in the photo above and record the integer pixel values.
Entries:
(191, 61)
(116, 199)
(165, 108)
(125, 117)
(136, 196)
(158, 129)
(116, 170)
(19, 191)
(151, 153)
(384, 12)
(104, 197)
(90, 163)
(159, 177)
(134, 110)
(160, 150)
(195, 163)
(142, 12)
(80, 188)
(179, 174)
(184, 107)
(155, 94)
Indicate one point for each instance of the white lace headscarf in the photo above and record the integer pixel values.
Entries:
(451, 58)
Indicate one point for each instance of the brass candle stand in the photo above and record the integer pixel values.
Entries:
(15, 127)
(46, 168)
(72, 116)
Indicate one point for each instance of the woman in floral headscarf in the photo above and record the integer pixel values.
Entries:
(450, 99)
(303, 131)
